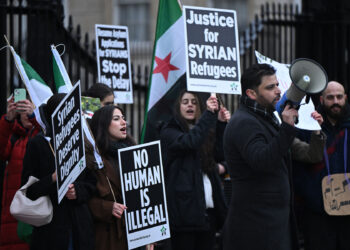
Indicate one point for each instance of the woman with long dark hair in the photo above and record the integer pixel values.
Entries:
(108, 126)
(193, 146)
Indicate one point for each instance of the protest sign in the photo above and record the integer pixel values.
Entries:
(113, 60)
(68, 141)
(144, 194)
(212, 50)
(283, 78)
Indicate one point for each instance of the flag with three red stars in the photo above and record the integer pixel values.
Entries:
(168, 68)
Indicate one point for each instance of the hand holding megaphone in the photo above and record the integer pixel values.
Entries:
(308, 78)
(289, 115)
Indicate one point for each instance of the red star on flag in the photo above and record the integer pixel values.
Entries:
(164, 66)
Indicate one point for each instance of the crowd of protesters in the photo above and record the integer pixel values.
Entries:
(258, 150)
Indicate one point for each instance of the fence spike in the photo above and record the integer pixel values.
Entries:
(279, 11)
(70, 24)
(267, 11)
(93, 48)
(86, 43)
(78, 33)
(274, 10)
(146, 75)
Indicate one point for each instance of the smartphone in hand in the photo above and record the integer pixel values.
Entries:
(19, 95)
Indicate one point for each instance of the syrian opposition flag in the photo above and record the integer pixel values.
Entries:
(62, 80)
(64, 85)
(38, 90)
(168, 68)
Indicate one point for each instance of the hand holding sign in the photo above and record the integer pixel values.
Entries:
(212, 103)
(118, 209)
(71, 194)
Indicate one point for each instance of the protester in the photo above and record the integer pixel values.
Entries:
(323, 231)
(101, 91)
(72, 225)
(108, 126)
(257, 150)
(16, 127)
(192, 141)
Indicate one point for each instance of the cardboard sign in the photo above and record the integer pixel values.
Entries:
(144, 194)
(113, 60)
(336, 194)
(68, 141)
(212, 50)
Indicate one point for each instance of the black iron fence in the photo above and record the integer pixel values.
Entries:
(280, 32)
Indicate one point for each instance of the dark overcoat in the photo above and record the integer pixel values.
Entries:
(70, 217)
(184, 177)
(110, 232)
(260, 214)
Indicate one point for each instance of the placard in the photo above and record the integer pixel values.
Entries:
(113, 60)
(144, 196)
(212, 50)
(336, 194)
(68, 141)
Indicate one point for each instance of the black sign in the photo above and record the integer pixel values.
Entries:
(68, 141)
(212, 49)
(144, 193)
(113, 60)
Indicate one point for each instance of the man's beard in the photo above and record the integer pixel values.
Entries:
(336, 116)
(270, 106)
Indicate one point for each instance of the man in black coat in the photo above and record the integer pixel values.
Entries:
(257, 150)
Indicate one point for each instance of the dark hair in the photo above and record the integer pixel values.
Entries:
(52, 104)
(99, 127)
(207, 148)
(98, 90)
(251, 78)
(177, 110)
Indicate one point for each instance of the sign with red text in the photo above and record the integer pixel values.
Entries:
(113, 60)
(141, 173)
(212, 50)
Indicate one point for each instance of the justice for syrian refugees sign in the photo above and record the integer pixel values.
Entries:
(113, 60)
(68, 141)
(212, 50)
(144, 194)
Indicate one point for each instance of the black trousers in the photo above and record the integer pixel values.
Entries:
(196, 240)
(324, 232)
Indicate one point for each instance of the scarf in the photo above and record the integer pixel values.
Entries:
(260, 110)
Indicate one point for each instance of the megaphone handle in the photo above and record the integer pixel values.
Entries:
(296, 119)
(307, 98)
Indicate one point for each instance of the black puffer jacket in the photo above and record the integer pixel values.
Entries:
(183, 173)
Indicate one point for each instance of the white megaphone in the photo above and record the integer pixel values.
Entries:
(308, 78)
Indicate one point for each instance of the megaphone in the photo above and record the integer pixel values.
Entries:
(308, 78)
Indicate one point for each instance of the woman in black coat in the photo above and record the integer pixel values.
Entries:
(193, 146)
(71, 226)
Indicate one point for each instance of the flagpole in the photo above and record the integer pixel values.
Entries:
(14, 56)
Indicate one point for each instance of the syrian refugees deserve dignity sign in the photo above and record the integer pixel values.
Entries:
(212, 50)
(113, 60)
(68, 141)
(143, 190)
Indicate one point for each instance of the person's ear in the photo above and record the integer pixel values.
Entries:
(251, 94)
